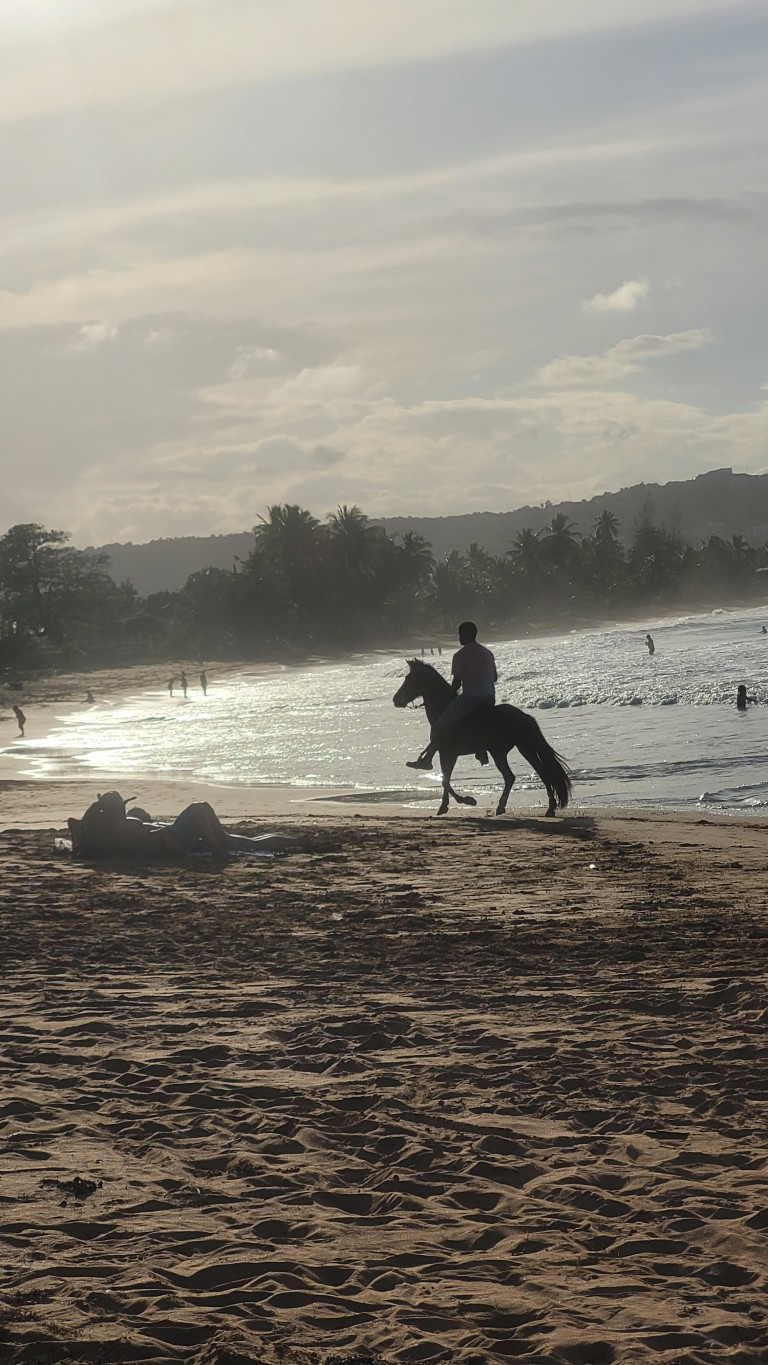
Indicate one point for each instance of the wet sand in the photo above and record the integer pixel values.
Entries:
(464, 1090)
(30, 803)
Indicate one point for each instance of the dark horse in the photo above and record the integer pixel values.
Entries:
(497, 730)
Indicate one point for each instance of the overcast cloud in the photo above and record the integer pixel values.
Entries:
(427, 256)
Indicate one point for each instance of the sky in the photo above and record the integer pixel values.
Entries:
(429, 257)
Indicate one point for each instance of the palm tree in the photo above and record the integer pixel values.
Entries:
(369, 570)
(289, 543)
(603, 557)
(526, 551)
(287, 532)
(357, 545)
(562, 531)
(417, 557)
(606, 527)
(450, 592)
(561, 543)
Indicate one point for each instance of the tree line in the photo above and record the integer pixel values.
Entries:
(308, 585)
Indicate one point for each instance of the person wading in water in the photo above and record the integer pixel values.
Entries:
(473, 673)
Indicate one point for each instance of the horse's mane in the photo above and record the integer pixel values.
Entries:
(433, 674)
(422, 663)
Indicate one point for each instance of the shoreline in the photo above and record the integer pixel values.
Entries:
(47, 804)
(29, 799)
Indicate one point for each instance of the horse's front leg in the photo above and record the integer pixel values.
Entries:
(502, 763)
(447, 764)
(446, 768)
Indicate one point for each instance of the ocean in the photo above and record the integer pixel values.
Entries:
(636, 730)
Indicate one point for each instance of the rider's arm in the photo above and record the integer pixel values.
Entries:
(455, 685)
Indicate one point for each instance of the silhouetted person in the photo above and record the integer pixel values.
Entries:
(89, 698)
(183, 681)
(764, 630)
(204, 683)
(171, 682)
(742, 698)
(21, 718)
(473, 671)
(108, 830)
(650, 644)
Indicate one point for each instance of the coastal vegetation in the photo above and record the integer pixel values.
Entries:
(310, 586)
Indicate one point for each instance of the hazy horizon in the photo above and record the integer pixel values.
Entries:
(429, 259)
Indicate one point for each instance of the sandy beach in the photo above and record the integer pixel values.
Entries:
(463, 1090)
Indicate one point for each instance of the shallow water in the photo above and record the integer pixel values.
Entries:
(636, 730)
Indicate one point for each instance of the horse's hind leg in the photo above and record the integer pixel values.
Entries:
(531, 758)
(502, 763)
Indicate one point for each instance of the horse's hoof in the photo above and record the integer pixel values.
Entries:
(501, 810)
(442, 811)
(469, 801)
(550, 814)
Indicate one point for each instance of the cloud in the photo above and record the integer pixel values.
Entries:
(252, 360)
(625, 299)
(325, 457)
(324, 381)
(417, 218)
(92, 335)
(623, 359)
(585, 440)
(57, 57)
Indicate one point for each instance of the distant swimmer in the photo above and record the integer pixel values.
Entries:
(204, 683)
(183, 681)
(21, 718)
(742, 698)
(764, 630)
(650, 644)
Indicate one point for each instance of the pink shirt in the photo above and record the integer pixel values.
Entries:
(475, 667)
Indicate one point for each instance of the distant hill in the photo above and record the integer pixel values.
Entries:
(716, 503)
(168, 563)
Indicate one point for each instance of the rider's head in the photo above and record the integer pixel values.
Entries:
(467, 632)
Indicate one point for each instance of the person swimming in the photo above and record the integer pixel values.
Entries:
(742, 698)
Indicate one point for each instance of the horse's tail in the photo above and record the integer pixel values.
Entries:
(551, 768)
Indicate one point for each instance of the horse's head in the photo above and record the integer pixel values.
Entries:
(413, 683)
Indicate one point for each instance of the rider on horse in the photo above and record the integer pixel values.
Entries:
(474, 672)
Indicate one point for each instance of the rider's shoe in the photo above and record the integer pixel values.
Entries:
(425, 763)
(482, 757)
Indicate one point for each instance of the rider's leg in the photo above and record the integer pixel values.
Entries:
(455, 711)
(424, 759)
